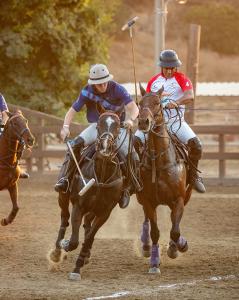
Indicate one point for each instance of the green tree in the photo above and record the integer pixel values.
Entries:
(220, 26)
(47, 47)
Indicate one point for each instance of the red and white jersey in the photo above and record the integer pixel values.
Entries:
(174, 87)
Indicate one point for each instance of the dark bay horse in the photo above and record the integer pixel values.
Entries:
(164, 177)
(96, 204)
(15, 131)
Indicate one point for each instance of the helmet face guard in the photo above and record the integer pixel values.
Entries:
(169, 59)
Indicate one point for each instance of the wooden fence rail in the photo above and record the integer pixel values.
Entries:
(43, 125)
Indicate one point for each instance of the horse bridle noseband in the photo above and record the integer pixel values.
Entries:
(20, 135)
(150, 112)
(107, 134)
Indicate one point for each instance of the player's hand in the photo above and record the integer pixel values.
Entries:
(128, 124)
(171, 105)
(65, 132)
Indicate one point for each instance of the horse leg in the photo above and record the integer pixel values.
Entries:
(76, 219)
(63, 201)
(145, 237)
(88, 218)
(177, 242)
(87, 245)
(155, 251)
(13, 191)
(151, 214)
(188, 194)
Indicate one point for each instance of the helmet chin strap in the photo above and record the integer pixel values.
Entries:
(168, 74)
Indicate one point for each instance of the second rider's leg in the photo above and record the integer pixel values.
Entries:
(186, 135)
(129, 189)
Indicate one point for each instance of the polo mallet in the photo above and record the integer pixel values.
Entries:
(87, 185)
(129, 25)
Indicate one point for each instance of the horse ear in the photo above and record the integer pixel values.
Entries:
(160, 91)
(100, 108)
(18, 111)
(9, 114)
(142, 90)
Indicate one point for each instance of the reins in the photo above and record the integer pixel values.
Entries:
(8, 136)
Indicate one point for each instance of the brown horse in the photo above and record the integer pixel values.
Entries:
(16, 132)
(96, 204)
(164, 177)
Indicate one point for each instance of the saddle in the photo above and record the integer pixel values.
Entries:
(180, 149)
(128, 168)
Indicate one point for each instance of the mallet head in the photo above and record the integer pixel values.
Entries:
(130, 23)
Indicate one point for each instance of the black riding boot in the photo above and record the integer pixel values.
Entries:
(138, 146)
(195, 154)
(131, 186)
(68, 166)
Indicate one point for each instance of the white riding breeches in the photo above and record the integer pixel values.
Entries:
(89, 136)
(183, 132)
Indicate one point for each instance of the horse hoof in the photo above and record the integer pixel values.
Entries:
(154, 270)
(55, 255)
(4, 222)
(74, 277)
(184, 248)
(146, 251)
(64, 244)
(172, 250)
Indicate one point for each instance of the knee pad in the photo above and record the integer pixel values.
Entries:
(195, 147)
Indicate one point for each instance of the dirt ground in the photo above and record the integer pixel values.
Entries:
(209, 270)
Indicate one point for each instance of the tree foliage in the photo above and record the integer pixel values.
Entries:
(47, 47)
(220, 26)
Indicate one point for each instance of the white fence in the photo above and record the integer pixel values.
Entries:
(203, 88)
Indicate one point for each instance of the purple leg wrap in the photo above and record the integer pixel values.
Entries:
(145, 238)
(155, 260)
(182, 244)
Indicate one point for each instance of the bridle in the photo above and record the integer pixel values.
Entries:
(153, 115)
(11, 138)
(14, 129)
(107, 135)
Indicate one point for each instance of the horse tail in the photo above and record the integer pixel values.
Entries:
(188, 194)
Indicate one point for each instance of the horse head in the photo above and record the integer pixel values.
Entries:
(150, 110)
(17, 128)
(108, 128)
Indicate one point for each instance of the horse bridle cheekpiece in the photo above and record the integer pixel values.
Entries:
(13, 126)
(152, 115)
(107, 135)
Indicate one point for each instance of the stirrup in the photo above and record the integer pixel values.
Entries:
(24, 175)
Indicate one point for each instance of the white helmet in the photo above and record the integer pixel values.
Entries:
(99, 74)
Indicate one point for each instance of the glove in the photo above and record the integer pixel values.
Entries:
(128, 124)
(65, 132)
(164, 101)
(171, 104)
